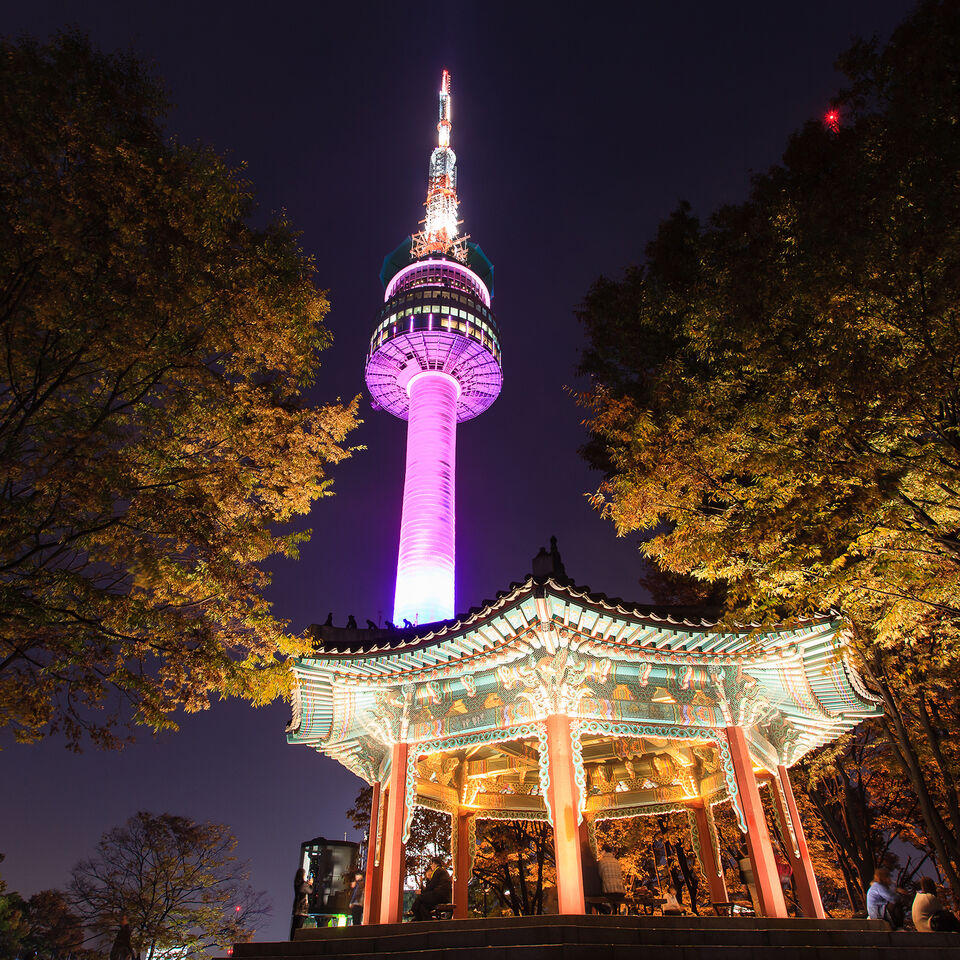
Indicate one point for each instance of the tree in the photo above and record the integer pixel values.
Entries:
(41, 928)
(776, 398)
(13, 926)
(155, 429)
(177, 881)
(55, 931)
(514, 860)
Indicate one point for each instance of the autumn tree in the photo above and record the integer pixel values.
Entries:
(177, 881)
(655, 850)
(155, 427)
(45, 927)
(776, 401)
(13, 925)
(514, 861)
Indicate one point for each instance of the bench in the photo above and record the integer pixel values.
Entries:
(647, 904)
(727, 908)
(603, 901)
(443, 911)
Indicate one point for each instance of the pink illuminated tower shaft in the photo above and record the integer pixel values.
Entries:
(434, 360)
(425, 566)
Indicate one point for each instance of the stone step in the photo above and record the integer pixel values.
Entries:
(579, 951)
(563, 938)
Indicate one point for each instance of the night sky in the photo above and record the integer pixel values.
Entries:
(577, 129)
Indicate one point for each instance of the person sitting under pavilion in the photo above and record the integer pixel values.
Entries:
(438, 889)
(611, 878)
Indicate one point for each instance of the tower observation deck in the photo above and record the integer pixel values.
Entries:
(434, 360)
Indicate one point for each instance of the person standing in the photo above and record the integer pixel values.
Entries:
(784, 875)
(302, 888)
(747, 878)
(592, 888)
(356, 900)
(611, 878)
(122, 948)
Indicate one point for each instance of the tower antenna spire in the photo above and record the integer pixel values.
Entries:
(441, 225)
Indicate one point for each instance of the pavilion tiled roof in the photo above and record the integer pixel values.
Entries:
(801, 669)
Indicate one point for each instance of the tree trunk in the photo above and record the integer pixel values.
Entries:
(943, 842)
(950, 784)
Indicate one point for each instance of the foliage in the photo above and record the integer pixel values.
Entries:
(177, 881)
(41, 928)
(776, 400)
(514, 861)
(154, 425)
(14, 928)
(55, 931)
(429, 838)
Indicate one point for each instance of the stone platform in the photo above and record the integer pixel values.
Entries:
(612, 938)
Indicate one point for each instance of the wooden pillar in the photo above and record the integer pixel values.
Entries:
(371, 881)
(759, 848)
(563, 802)
(392, 856)
(808, 893)
(708, 856)
(461, 867)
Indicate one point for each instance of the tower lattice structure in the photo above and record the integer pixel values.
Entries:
(434, 361)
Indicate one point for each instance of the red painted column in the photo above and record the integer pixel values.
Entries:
(371, 881)
(563, 802)
(759, 849)
(808, 893)
(392, 858)
(461, 869)
(711, 869)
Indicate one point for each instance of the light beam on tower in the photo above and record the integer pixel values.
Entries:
(434, 360)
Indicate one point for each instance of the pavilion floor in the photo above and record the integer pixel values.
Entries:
(612, 938)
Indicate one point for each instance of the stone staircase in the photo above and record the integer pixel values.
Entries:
(612, 938)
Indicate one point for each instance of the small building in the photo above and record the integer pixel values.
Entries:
(330, 866)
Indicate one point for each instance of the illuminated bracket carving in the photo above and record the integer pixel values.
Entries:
(579, 773)
(555, 683)
(643, 810)
(417, 750)
(783, 814)
(719, 738)
(544, 767)
(714, 838)
(296, 709)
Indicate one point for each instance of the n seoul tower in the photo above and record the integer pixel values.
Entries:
(434, 361)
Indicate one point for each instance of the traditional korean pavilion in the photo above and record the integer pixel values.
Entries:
(554, 703)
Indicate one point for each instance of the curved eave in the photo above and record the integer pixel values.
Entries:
(816, 684)
(313, 718)
(800, 670)
(599, 621)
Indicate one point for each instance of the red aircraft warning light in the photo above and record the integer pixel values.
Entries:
(831, 120)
